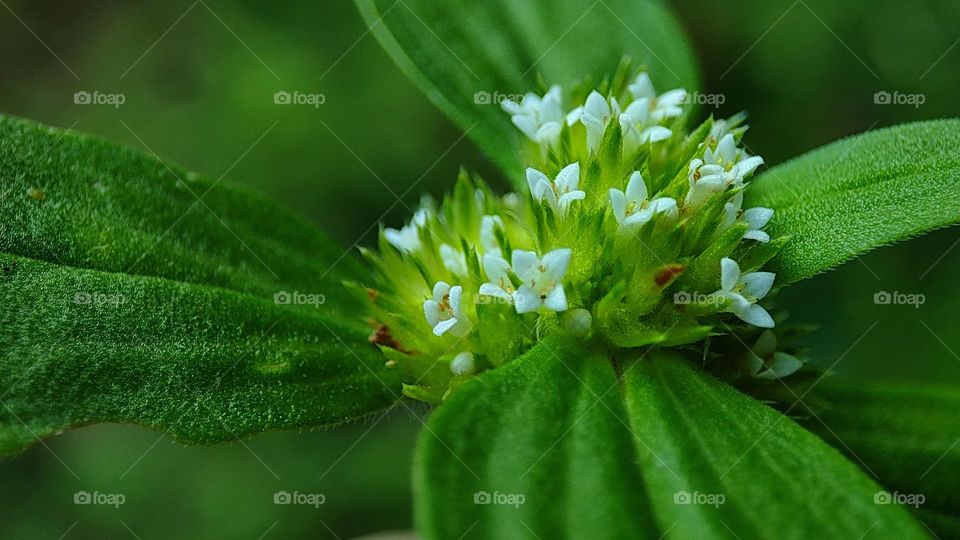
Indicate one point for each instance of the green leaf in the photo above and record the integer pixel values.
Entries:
(861, 193)
(777, 479)
(126, 300)
(601, 458)
(465, 54)
(75, 200)
(906, 435)
(550, 427)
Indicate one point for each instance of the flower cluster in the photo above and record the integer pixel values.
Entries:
(631, 231)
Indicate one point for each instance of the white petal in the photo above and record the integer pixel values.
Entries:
(663, 205)
(574, 116)
(636, 188)
(758, 284)
(510, 106)
(748, 165)
(526, 124)
(638, 111)
(729, 273)
(526, 299)
(440, 289)
(534, 178)
(489, 289)
(756, 316)
(441, 327)
(431, 311)
(556, 263)
(671, 98)
(759, 236)
(596, 106)
(564, 201)
(456, 294)
(568, 178)
(618, 202)
(548, 133)
(525, 264)
(726, 148)
(642, 87)
(655, 134)
(757, 217)
(556, 299)
(453, 260)
(496, 268)
(463, 364)
(638, 218)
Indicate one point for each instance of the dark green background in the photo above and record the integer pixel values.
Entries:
(200, 92)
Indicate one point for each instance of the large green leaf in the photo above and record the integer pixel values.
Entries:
(861, 193)
(907, 435)
(601, 458)
(126, 299)
(461, 52)
(777, 479)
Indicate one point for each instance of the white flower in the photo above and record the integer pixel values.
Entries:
(498, 284)
(763, 361)
(662, 107)
(720, 168)
(756, 218)
(559, 193)
(594, 115)
(488, 236)
(540, 119)
(541, 280)
(443, 310)
(463, 364)
(744, 291)
(638, 127)
(408, 237)
(454, 260)
(632, 208)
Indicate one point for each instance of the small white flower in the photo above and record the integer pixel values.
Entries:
(756, 218)
(632, 208)
(540, 119)
(662, 107)
(744, 291)
(407, 239)
(594, 115)
(498, 284)
(639, 128)
(454, 260)
(559, 193)
(765, 362)
(488, 236)
(463, 364)
(541, 280)
(720, 168)
(443, 311)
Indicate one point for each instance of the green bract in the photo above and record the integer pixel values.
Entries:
(629, 233)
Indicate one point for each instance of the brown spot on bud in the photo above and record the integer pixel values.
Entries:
(381, 336)
(667, 274)
(372, 294)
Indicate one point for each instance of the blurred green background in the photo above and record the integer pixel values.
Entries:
(199, 79)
